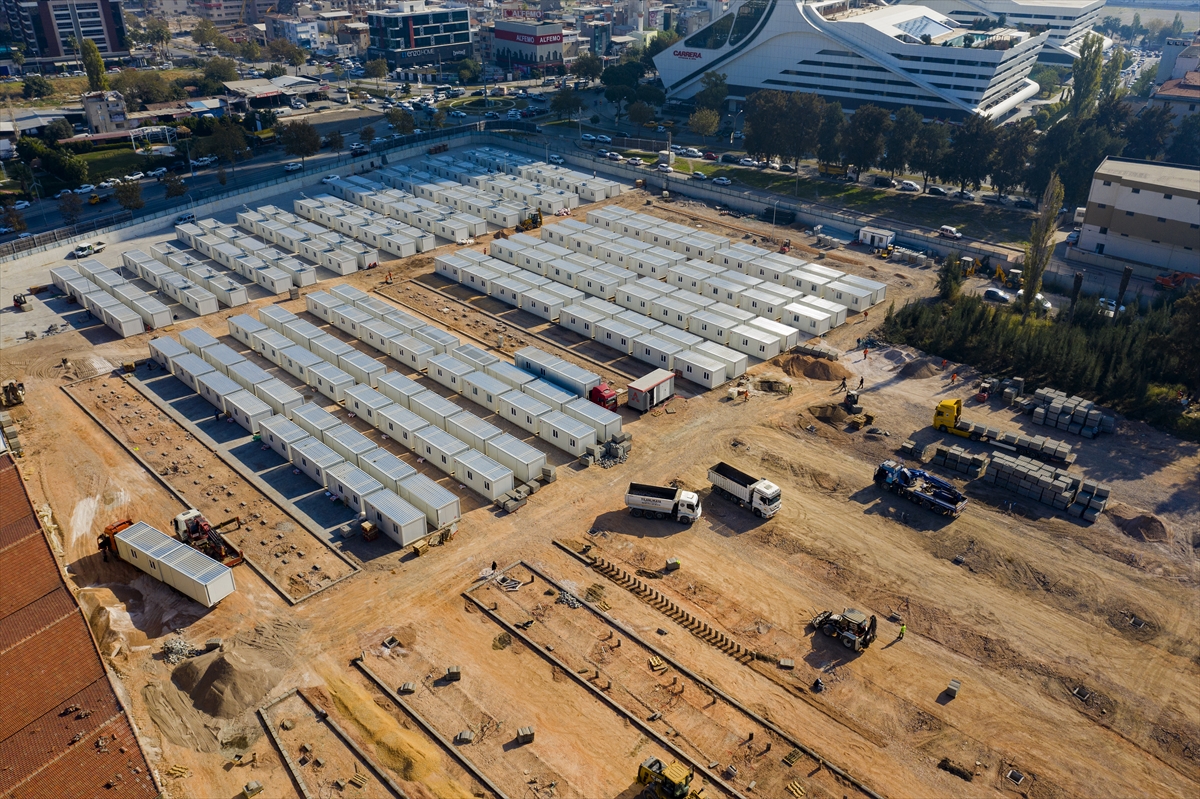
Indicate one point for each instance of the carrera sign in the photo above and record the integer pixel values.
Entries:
(690, 55)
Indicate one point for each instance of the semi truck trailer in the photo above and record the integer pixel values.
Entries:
(661, 502)
(758, 494)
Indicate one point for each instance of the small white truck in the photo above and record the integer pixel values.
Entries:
(759, 495)
(84, 250)
(661, 502)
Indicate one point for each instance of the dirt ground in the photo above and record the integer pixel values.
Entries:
(1037, 614)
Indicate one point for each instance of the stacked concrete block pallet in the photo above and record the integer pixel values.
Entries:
(1050, 486)
(1072, 414)
(957, 459)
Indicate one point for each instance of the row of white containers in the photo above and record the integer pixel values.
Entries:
(370, 227)
(187, 266)
(439, 220)
(126, 309)
(366, 477)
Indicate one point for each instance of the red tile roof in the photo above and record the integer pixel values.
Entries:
(49, 663)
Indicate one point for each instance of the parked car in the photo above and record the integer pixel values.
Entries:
(294, 166)
(699, 176)
(692, 152)
(587, 137)
(710, 156)
(604, 139)
(133, 177)
(184, 219)
(613, 156)
(63, 193)
(330, 179)
(937, 191)
(555, 158)
(665, 168)
(1038, 299)
(737, 134)
(1109, 307)
(157, 173)
(748, 162)
(908, 185)
(964, 195)
(996, 295)
(1073, 237)
(21, 205)
(787, 168)
(1027, 205)
(477, 93)
(86, 188)
(994, 199)
(884, 182)
(84, 250)
(722, 181)
(949, 232)
(635, 161)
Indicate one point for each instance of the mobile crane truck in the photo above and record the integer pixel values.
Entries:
(947, 418)
(921, 487)
(760, 495)
(661, 502)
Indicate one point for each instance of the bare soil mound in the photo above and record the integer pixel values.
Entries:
(834, 414)
(812, 368)
(1138, 524)
(223, 684)
(921, 368)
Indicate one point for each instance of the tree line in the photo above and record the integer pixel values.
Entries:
(1096, 122)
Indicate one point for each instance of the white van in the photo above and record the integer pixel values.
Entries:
(948, 232)
(184, 219)
(1079, 214)
(555, 158)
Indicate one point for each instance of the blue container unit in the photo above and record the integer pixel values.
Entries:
(577, 380)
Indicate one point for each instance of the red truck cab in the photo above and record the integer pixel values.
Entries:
(604, 396)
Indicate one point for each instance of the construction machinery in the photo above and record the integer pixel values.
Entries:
(664, 781)
(22, 302)
(194, 530)
(1174, 280)
(1012, 278)
(921, 487)
(855, 629)
(661, 502)
(762, 496)
(532, 223)
(12, 393)
(785, 247)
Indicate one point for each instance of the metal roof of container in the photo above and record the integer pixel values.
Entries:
(400, 383)
(275, 339)
(348, 293)
(540, 357)
(362, 360)
(570, 371)
(356, 315)
(483, 465)
(193, 364)
(278, 389)
(511, 373)
(354, 478)
(531, 405)
(593, 411)
(168, 346)
(198, 337)
(441, 440)
(226, 356)
(284, 428)
(413, 345)
(303, 328)
(620, 328)
(487, 383)
(375, 307)
(382, 329)
(435, 402)
(315, 414)
(195, 565)
(252, 374)
(149, 540)
(439, 335)
(451, 365)
(401, 319)
(388, 464)
(393, 507)
(277, 313)
(567, 424)
(302, 356)
(350, 438)
(323, 298)
(472, 423)
(677, 336)
(332, 343)
(516, 448)
(368, 396)
(428, 491)
(248, 403)
(469, 353)
(318, 453)
(546, 388)
(331, 373)
(649, 381)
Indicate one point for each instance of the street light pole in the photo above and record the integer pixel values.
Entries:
(735, 119)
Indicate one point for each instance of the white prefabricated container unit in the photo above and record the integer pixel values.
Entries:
(248, 375)
(348, 319)
(330, 381)
(314, 459)
(655, 351)
(542, 304)
(387, 468)
(568, 434)
(523, 410)
(124, 321)
(506, 372)
(214, 387)
(762, 303)
(700, 369)
(606, 423)
(269, 343)
(314, 419)
(275, 317)
(754, 341)
(302, 332)
(281, 434)
(568, 295)
(474, 356)
(366, 403)
(411, 352)
(730, 312)
(646, 324)
(545, 391)
(482, 474)
(321, 304)
(394, 517)
(735, 362)
(438, 448)
(808, 320)
(166, 559)
(441, 507)
(448, 371)
(398, 388)
(673, 310)
(330, 348)
(242, 327)
(281, 397)
(855, 298)
(165, 349)
(638, 298)
(362, 367)
(788, 336)
(471, 430)
(351, 485)
(347, 442)
(401, 424)
(433, 408)
(197, 340)
(580, 319)
(248, 410)
(878, 290)
(836, 311)
(525, 461)
(618, 335)
(439, 339)
(349, 294)
(598, 284)
(676, 336)
(153, 313)
(484, 390)
(188, 367)
(509, 290)
(378, 333)
(296, 361)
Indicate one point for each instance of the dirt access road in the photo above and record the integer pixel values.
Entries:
(1039, 607)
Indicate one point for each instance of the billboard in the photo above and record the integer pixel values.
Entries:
(432, 55)
(528, 38)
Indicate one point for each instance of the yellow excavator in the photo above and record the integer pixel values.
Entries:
(532, 223)
(667, 782)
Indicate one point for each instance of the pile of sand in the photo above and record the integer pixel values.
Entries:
(921, 368)
(225, 683)
(1137, 524)
(812, 368)
(834, 414)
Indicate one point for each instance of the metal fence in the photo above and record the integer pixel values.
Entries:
(59, 235)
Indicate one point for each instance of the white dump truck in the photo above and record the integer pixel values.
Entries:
(661, 502)
(759, 495)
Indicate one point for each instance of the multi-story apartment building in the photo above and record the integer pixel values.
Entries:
(299, 31)
(1146, 212)
(229, 12)
(416, 33)
(105, 112)
(46, 28)
(527, 44)
(890, 56)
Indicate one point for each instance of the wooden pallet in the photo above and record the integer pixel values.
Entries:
(796, 789)
(792, 757)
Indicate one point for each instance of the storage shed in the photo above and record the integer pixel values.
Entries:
(565, 433)
(330, 381)
(441, 507)
(401, 424)
(366, 403)
(165, 349)
(348, 442)
(280, 434)
(187, 570)
(314, 459)
(482, 474)
(387, 468)
(433, 408)
(651, 390)
(351, 484)
(313, 419)
(394, 517)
